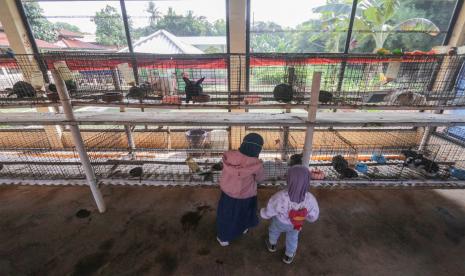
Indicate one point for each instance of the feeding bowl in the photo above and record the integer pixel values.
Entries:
(171, 100)
(362, 168)
(252, 99)
(317, 174)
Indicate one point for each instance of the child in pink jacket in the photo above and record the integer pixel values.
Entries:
(289, 209)
(237, 207)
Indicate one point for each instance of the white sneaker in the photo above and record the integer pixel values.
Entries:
(222, 243)
(246, 231)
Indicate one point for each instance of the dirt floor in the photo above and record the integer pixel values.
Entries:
(171, 231)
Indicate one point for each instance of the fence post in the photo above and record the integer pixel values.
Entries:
(312, 109)
(77, 139)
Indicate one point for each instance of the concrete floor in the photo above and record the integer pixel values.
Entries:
(171, 231)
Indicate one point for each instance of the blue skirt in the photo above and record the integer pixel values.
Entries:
(234, 216)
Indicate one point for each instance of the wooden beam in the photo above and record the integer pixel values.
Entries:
(323, 119)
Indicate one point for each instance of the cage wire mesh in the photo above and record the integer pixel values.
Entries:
(382, 153)
(357, 80)
(21, 80)
(28, 154)
(90, 76)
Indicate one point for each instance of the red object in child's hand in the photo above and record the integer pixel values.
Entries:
(297, 218)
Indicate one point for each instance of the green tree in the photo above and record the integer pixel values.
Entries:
(374, 19)
(41, 27)
(269, 37)
(67, 26)
(110, 27)
(308, 38)
(219, 27)
(154, 13)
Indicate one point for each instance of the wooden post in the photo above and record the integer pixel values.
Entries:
(312, 109)
(78, 142)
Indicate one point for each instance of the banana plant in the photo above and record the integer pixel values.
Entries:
(373, 19)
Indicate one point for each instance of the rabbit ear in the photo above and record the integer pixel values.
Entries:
(186, 80)
(200, 81)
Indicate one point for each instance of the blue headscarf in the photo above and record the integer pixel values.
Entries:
(251, 145)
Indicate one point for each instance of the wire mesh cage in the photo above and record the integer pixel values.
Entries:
(359, 80)
(31, 154)
(21, 80)
(91, 76)
(394, 155)
(187, 78)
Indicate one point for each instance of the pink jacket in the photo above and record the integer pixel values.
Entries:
(240, 175)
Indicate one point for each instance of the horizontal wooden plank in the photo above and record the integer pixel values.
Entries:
(325, 119)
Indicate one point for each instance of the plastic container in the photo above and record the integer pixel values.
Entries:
(362, 168)
(457, 173)
(378, 158)
(317, 174)
(171, 100)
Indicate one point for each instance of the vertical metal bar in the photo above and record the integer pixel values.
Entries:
(30, 36)
(347, 45)
(127, 128)
(247, 47)
(351, 26)
(129, 40)
(228, 53)
(453, 21)
(312, 109)
(78, 142)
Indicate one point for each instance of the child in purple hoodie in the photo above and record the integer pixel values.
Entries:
(289, 209)
(237, 208)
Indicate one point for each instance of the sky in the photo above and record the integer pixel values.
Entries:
(286, 13)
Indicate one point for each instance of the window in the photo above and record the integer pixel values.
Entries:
(76, 25)
(403, 24)
(178, 27)
(297, 26)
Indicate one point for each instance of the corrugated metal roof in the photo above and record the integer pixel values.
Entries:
(163, 42)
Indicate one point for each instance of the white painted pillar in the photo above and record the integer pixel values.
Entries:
(77, 140)
(237, 45)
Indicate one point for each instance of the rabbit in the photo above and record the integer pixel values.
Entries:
(140, 92)
(418, 161)
(193, 88)
(22, 90)
(339, 163)
(342, 167)
(296, 159)
(325, 97)
(349, 173)
(401, 97)
(283, 92)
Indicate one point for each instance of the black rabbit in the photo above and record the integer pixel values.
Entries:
(342, 167)
(296, 159)
(193, 88)
(418, 161)
(22, 90)
(325, 97)
(283, 93)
